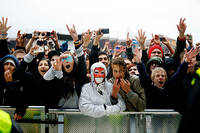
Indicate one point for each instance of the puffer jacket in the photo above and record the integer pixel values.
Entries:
(96, 101)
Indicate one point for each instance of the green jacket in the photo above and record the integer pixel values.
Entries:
(135, 100)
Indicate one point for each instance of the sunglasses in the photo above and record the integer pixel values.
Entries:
(67, 59)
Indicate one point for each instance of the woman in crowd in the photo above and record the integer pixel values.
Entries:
(72, 70)
(37, 90)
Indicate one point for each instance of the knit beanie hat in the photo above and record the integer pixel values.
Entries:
(52, 53)
(155, 46)
(156, 59)
(10, 60)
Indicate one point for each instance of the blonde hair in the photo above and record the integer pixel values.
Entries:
(158, 69)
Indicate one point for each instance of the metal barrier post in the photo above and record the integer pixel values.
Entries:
(61, 126)
(132, 124)
(42, 116)
(148, 124)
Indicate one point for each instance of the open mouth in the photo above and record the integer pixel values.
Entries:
(43, 71)
(161, 82)
(67, 66)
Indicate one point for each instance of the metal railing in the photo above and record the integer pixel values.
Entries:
(39, 120)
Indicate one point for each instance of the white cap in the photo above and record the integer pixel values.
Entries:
(9, 60)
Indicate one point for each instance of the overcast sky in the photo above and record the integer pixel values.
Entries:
(121, 16)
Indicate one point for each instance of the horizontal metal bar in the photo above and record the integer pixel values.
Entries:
(77, 111)
(39, 121)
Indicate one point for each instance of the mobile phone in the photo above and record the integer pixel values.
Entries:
(105, 31)
(67, 37)
(41, 42)
(28, 35)
(161, 39)
(48, 34)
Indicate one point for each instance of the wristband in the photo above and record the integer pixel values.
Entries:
(181, 39)
(4, 34)
(77, 43)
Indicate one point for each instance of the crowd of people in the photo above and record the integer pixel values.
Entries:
(42, 72)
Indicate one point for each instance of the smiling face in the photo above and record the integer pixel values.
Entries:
(104, 59)
(68, 62)
(43, 67)
(159, 77)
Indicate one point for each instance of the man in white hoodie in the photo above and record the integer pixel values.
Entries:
(96, 97)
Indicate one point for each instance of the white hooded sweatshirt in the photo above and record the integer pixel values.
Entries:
(95, 100)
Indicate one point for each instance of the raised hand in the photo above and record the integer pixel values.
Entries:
(116, 87)
(138, 55)
(156, 39)
(97, 37)
(141, 38)
(72, 32)
(86, 38)
(128, 40)
(181, 27)
(125, 85)
(21, 39)
(8, 76)
(3, 26)
(189, 55)
(165, 41)
(54, 37)
(57, 65)
(33, 49)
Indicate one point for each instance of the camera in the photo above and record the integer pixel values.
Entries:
(105, 31)
(161, 39)
(49, 34)
(27, 36)
(41, 42)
